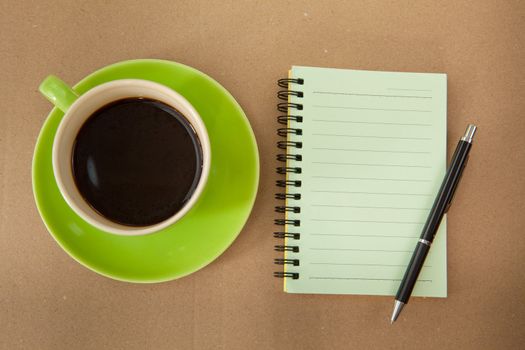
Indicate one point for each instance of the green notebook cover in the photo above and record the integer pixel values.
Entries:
(373, 157)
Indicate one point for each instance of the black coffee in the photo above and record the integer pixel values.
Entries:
(137, 161)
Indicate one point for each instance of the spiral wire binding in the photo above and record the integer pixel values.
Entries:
(286, 107)
(284, 157)
(283, 119)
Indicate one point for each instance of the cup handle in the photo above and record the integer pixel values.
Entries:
(58, 92)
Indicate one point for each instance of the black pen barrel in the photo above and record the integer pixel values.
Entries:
(441, 204)
(446, 192)
(412, 272)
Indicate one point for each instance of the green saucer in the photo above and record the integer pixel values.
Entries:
(206, 230)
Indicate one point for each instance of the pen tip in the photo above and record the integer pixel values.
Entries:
(398, 306)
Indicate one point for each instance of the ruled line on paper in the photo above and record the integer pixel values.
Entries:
(365, 207)
(361, 279)
(364, 250)
(398, 89)
(356, 264)
(359, 235)
(368, 95)
(371, 221)
(368, 150)
(376, 165)
(373, 136)
(372, 123)
(375, 193)
(369, 178)
(374, 109)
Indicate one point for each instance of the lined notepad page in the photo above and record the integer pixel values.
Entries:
(373, 158)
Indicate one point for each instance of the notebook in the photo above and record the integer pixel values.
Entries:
(363, 155)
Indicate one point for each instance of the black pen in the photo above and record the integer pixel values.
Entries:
(440, 207)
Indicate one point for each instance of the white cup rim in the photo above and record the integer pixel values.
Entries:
(77, 114)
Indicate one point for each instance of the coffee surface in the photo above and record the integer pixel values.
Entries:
(137, 161)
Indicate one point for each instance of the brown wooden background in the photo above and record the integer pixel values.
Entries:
(48, 301)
